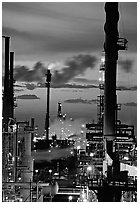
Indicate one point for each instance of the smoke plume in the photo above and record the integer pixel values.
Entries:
(73, 67)
(62, 73)
(126, 65)
(24, 74)
(55, 153)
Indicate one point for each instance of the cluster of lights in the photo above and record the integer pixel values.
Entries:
(89, 168)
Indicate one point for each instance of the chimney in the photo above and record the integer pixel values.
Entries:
(6, 105)
(111, 57)
(11, 85)
(48, 81)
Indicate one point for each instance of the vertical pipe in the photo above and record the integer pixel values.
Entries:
(32, 134)
(6, 86)
(111, 56)
(11, 85)
(30, 191)
(16, 150)
(47, 114)
(48, 80)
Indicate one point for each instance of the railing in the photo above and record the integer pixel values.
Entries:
(98, 182)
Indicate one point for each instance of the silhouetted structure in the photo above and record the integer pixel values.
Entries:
(48, 81)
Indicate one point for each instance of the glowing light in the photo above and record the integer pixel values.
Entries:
(50, 171)
(70, 198)
(89, 168)
(36, 127)
(91, 154)
(34, 139)
(14, 127)
(50, 66)
(100, 78)
(78, 147)
(126, 158)
(103, 59)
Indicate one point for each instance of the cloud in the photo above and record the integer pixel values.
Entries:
(30, 86)
(130, 104)
(20, 86)
(85, 86)
(18, 90)
(73, 67)
(84, 80)
(23, 73)
(125, 88)
(80, 100)
(77, 86)
(27, 97)
(126, 65)
(55, 153)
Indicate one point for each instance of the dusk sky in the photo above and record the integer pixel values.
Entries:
(68, 37)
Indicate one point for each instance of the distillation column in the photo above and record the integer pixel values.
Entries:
(11, 85)
(6, 86)
(48, 80)
(5, 114)
(27, 173)
(111, 57)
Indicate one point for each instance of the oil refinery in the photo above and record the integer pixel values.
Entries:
(104, 169)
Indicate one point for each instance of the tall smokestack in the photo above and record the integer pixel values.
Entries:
(48, 80)
(6, 86)
(111, 57)
(11, 85)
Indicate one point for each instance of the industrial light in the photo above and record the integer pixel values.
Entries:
(70, 198)
(50, 171)
(103, 59)
(126, 158)
(89, 168)
(83, 125)
(91, 154)
(78, 147)
(34, 139)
